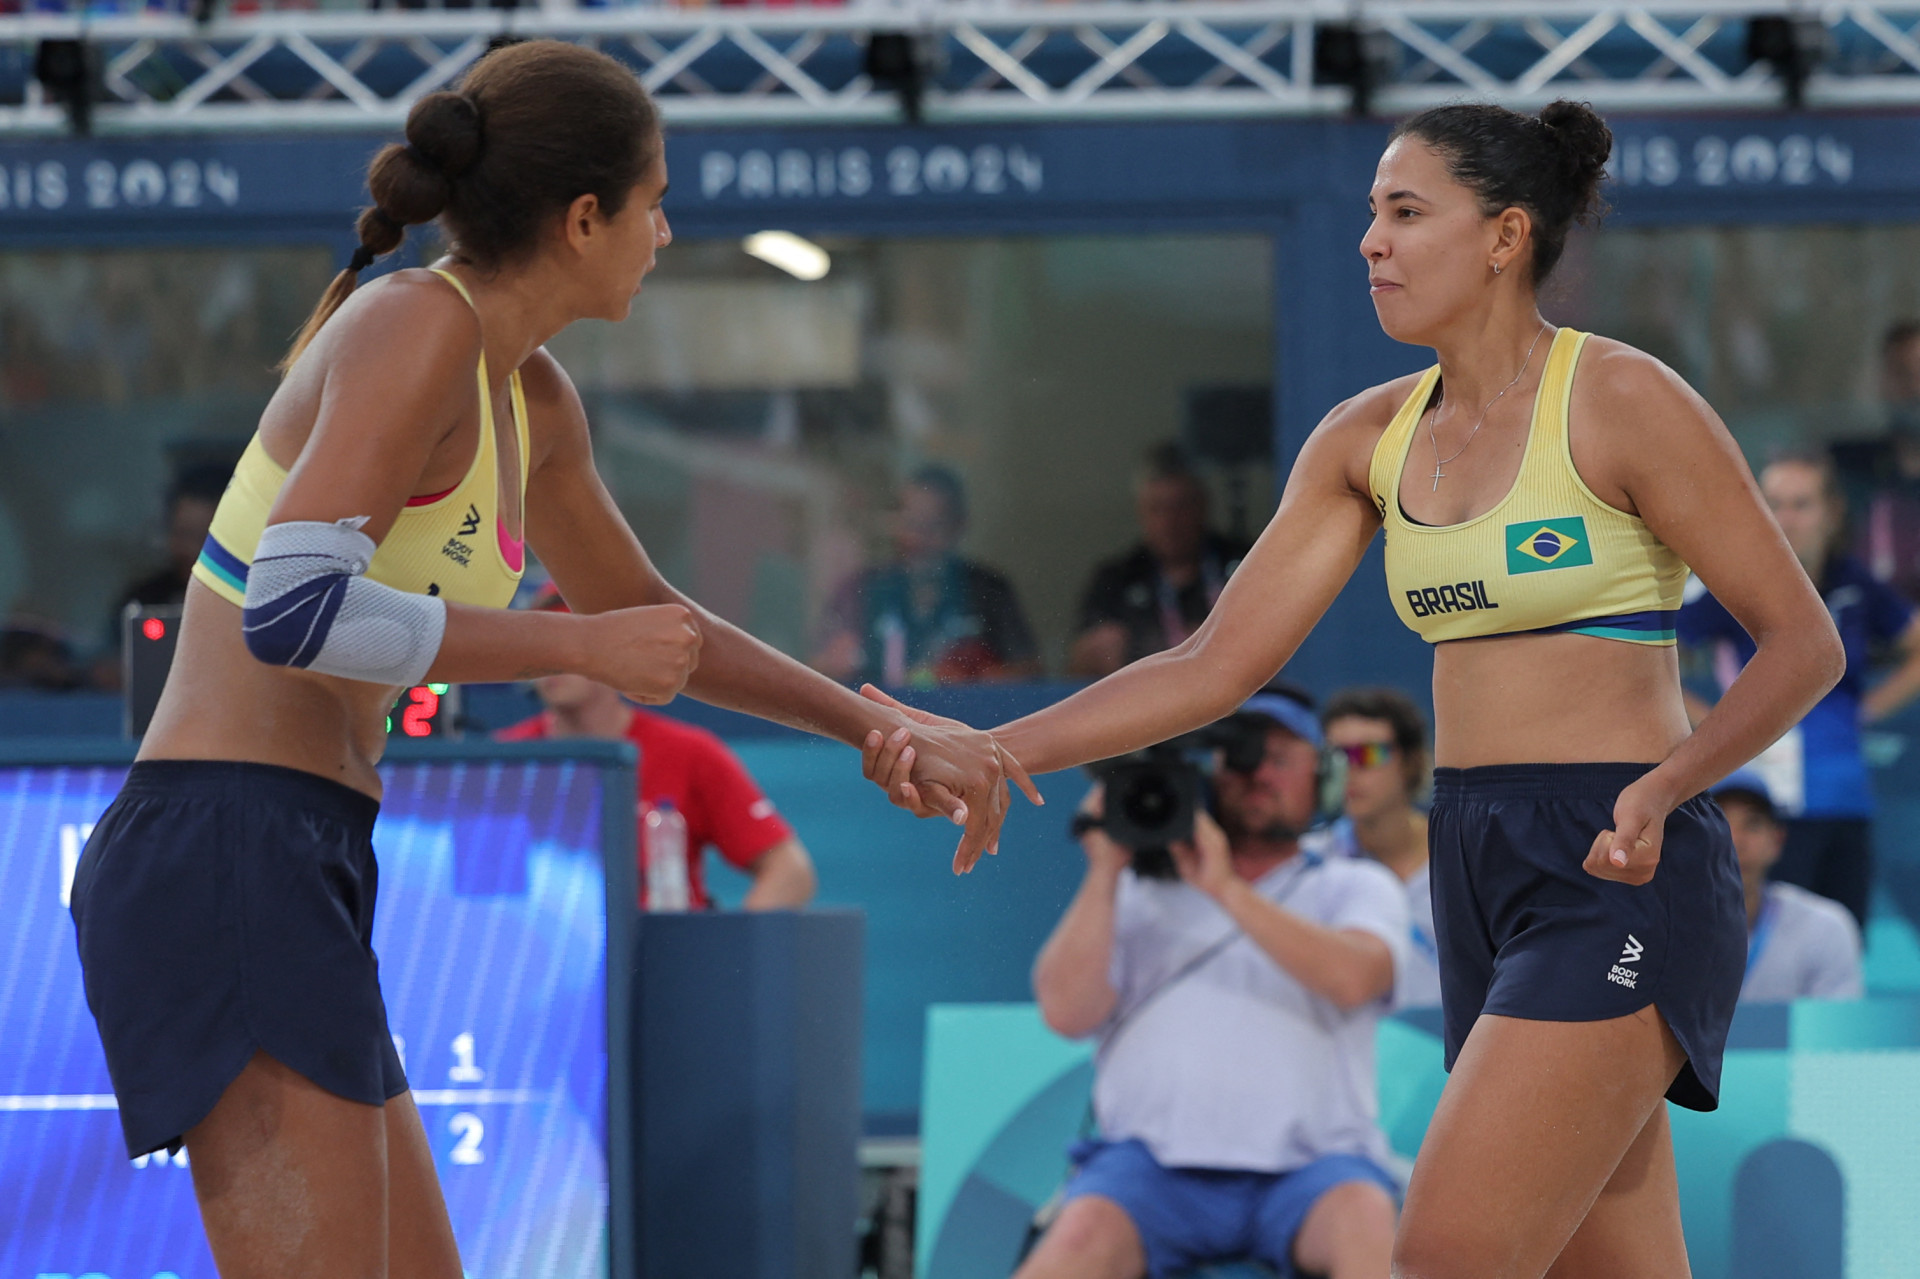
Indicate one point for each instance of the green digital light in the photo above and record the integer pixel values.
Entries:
(440, 689)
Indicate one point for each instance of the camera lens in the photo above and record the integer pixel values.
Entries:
(1151, 802)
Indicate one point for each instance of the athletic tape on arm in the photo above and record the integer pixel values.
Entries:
(309, 604)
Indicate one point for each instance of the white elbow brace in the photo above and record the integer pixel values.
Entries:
(309, 604)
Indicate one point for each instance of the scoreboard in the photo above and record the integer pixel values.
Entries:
(492, 929)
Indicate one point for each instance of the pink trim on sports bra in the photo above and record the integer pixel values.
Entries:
(512, 550)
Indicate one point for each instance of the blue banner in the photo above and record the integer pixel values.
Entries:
(995, 176)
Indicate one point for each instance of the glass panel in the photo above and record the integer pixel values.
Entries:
(1779, 327)
(118, 370)
(756, 428)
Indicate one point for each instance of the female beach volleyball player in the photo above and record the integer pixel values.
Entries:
(1542, 492)
(370, 539)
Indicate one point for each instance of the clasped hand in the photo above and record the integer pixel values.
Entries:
(936, 766)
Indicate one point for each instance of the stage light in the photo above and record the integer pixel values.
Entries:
(1360, 57)
(905, 63)
(1795, 47)
(796, 256)
(67, 69)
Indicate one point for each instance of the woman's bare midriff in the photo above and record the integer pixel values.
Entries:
(221, 703)
(1555, 699)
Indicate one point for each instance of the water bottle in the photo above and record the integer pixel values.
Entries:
(664, 841)
(893, 651)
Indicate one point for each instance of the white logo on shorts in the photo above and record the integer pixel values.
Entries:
(1629, 954)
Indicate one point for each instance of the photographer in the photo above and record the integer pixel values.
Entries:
(1235, 1007)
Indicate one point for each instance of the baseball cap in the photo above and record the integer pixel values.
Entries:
(1749, 785)
(1288, 714)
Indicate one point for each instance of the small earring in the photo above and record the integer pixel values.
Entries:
(1496, 268)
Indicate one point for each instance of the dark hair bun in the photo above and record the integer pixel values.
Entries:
(445, 129)
(1551, 164)
(1586, 141)
(413, 183)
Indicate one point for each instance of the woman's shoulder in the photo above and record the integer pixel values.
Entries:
(410, 317)
(1350, 432)
(1616, 374)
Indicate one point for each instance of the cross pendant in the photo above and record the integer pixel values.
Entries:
(1438, 475)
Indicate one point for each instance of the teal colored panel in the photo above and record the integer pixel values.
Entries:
(932, 937)
(1412, 1075)
(1028, 1157)
(1893, 955)
(1708, 1147)
(1821, 1025)
(1863, 1109)
(992, 1213)
(984, 1066)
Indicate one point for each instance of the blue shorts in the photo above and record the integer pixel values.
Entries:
(225, 909)
(1189, 1216)
(1524, 931)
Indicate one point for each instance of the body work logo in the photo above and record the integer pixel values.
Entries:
(1538, 545)
(1620, 974)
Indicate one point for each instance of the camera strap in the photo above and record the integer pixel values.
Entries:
(1304, 862)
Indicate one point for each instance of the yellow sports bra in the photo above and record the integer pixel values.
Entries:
(1550, 557)
(452, 544)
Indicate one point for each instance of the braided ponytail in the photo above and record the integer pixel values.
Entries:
(535, 125)
(411, 184)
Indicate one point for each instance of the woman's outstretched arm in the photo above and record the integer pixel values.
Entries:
(599, 566)
(1284, 585)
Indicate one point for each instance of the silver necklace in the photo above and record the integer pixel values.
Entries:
(1439, 463)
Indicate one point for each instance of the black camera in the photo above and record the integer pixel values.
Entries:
(1153, 795)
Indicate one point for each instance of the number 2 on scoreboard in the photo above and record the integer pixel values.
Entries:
(467, 1130)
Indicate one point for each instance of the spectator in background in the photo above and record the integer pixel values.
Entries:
(33, 654)
(1817, 772)
(1799, 946)
(1881, 474)
(191, 501)
(928, 615)
(1383, 736)
(688, 771)
(1236, 1009)
(1158, 593)
(187, 514)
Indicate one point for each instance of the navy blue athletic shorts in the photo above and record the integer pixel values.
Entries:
(1188, 1216)
(1524, 931)
(225, 909)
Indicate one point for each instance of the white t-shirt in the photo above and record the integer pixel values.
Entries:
(1215, 1057)
(1803, 947)
(1416, 983)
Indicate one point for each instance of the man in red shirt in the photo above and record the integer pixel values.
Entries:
(689, 770)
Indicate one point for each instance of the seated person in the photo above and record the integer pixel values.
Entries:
(1158, 593)
(1235, 1008)
(1799, 946)
(187, 516)
(1384, 738)
(928, 615)
(690, 770)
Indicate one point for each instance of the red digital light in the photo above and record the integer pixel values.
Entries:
(417, 719)
(154, 629)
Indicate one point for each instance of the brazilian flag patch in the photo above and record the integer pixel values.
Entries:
(1538, 545)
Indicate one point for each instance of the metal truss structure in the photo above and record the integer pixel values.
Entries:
(979, 59)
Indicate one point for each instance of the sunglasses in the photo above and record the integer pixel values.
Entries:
(1367, 754)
